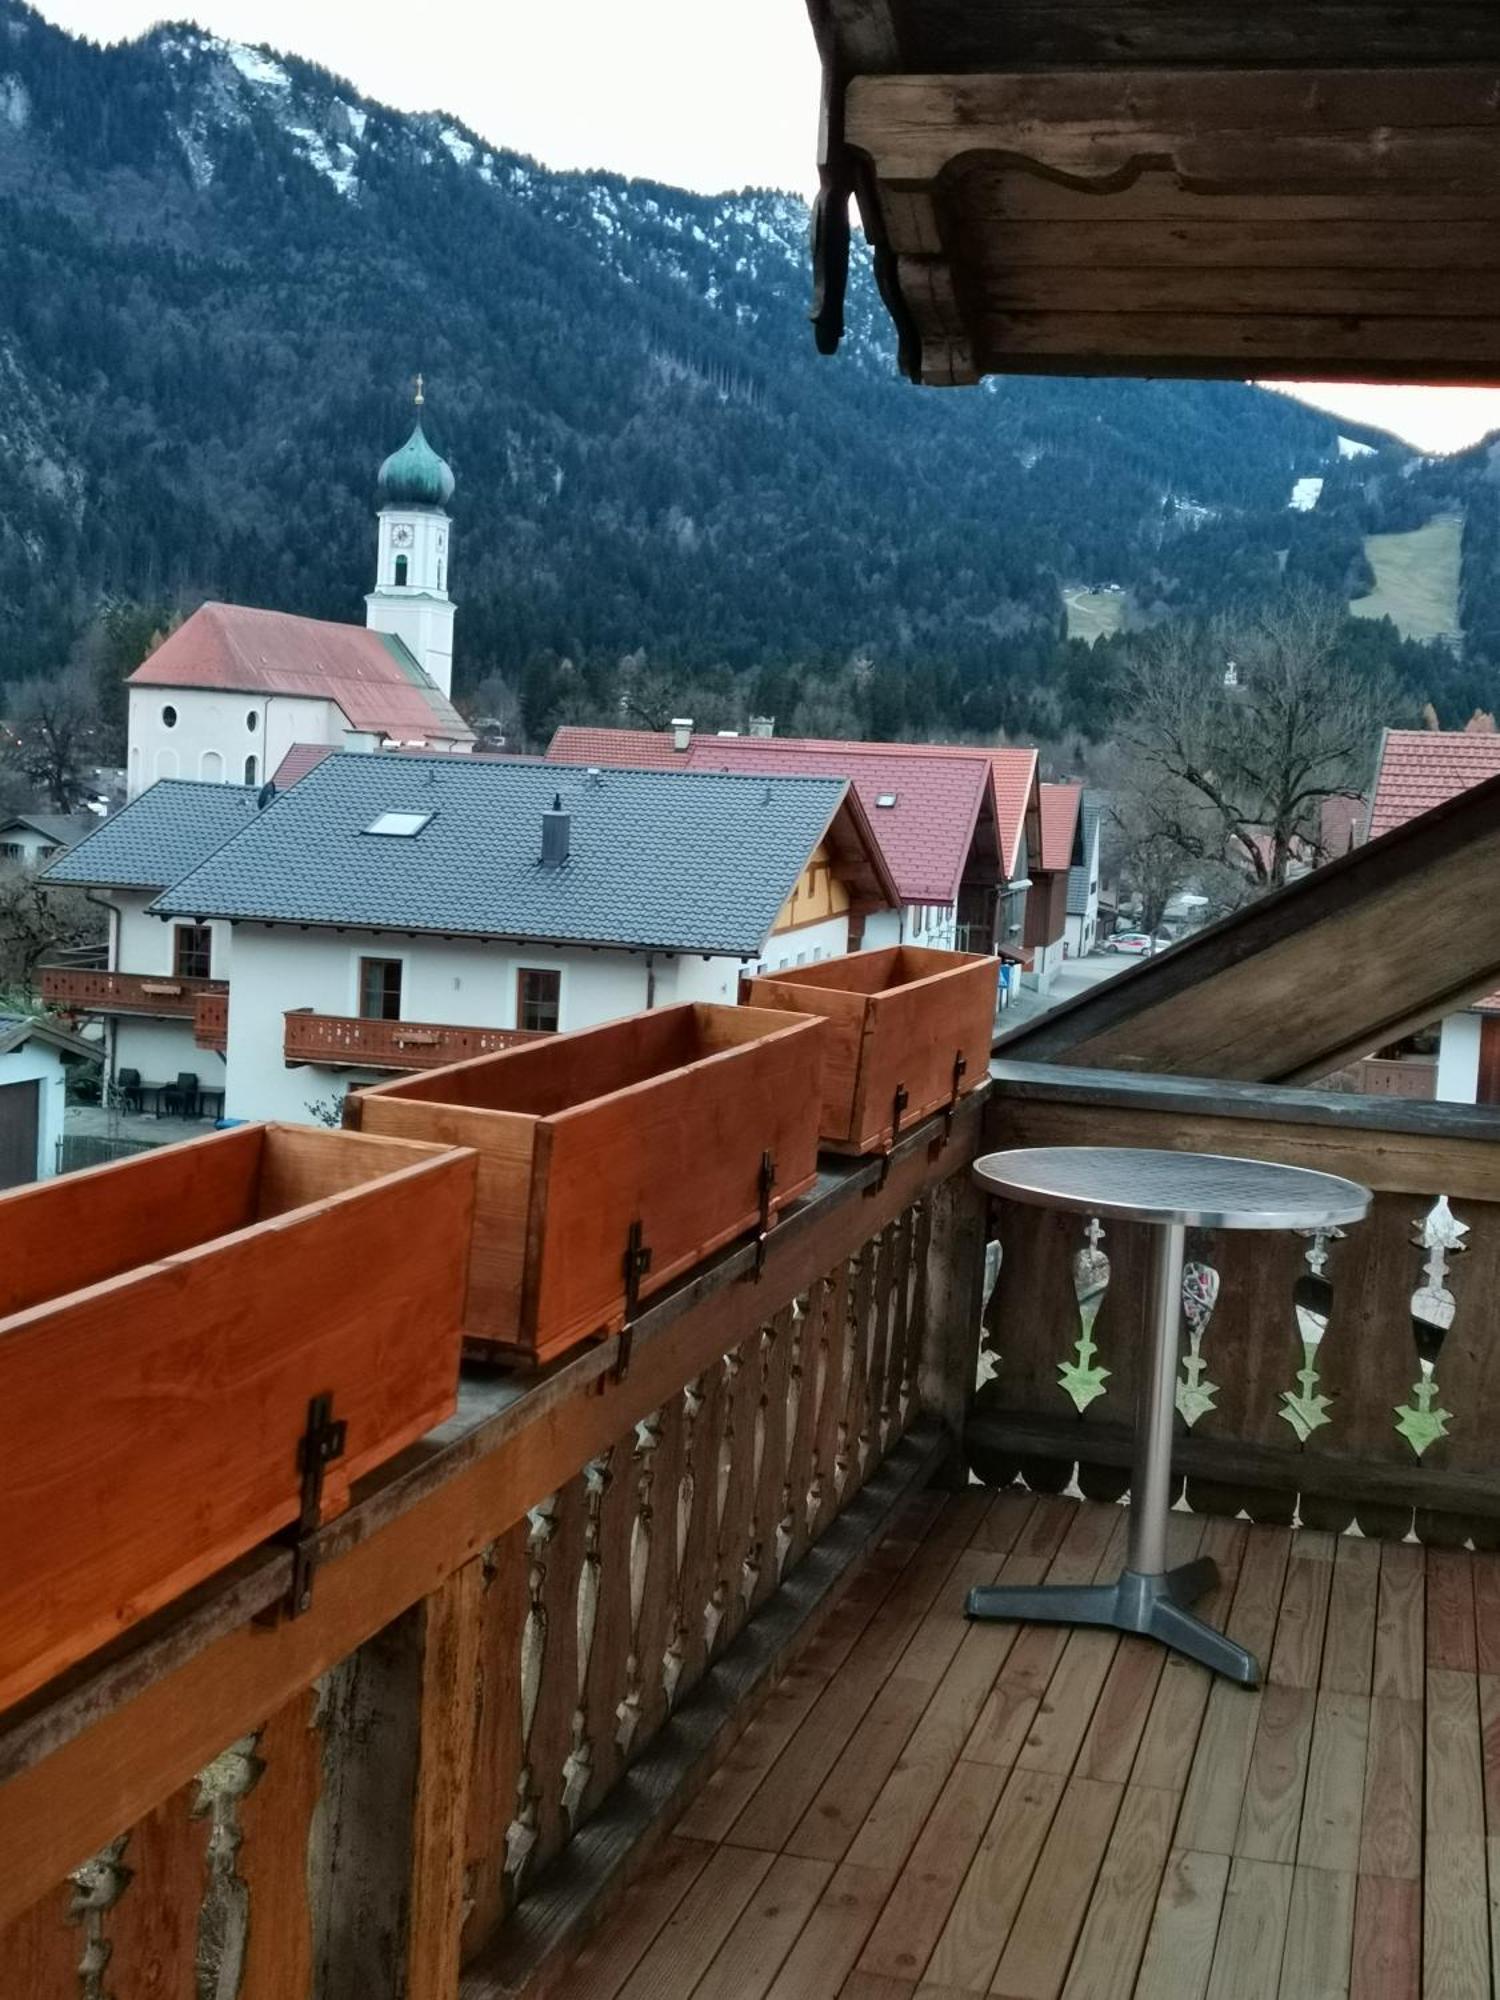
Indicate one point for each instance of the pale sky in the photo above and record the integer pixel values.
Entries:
(603, 83)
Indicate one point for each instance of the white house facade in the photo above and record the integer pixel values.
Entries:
(391, 913)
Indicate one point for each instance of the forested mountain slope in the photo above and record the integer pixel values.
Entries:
(219, 271)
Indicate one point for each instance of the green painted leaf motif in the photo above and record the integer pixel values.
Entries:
(1304, 1408)
(1083, 1378)
(1425, 1421)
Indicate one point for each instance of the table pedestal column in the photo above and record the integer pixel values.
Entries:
(1147, 1597)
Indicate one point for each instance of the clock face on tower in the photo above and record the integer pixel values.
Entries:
(401, 536)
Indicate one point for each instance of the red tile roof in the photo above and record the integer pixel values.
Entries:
(920, 861)
(298, 761)
(1423, 768)
(1059, 811)
(370, 675)
(1015, 787)
(638, 749)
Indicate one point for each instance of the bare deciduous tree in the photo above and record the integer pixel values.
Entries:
(1241, 729)
(52, 728)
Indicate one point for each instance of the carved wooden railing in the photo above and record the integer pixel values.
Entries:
(425, 1770)
(347, 1039)
(163, 994)
(1353, 1376)
(211, 1020)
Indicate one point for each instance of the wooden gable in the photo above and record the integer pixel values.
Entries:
(1185, 187)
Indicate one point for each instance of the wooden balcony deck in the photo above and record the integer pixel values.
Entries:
(157, 995)
(925, 1809)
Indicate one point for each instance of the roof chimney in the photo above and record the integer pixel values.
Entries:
(682, 732)
(762, 725)
(557, 827)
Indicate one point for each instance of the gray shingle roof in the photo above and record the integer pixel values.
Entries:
(1078, 878)
(669, 860)
(158, 837)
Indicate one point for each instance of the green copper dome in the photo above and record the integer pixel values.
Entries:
(415, 476)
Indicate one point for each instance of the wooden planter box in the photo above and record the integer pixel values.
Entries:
(899, 1019)
(164, 1323)
(660, 1119)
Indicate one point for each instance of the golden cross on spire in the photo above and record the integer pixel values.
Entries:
(421, 399)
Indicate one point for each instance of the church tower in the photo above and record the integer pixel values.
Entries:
(410, 598)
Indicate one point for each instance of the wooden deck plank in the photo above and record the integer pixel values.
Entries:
(752, 1954)
(1035, 1960)
(834, 1934)
(1184, 1928)
(1349, 1646)
(1319, 1935)
(969, 1946)
(609, 1958)
(687, 1943)
(1277, 1779)
(1387, 1957)
(1391, 1834)
(1119, 1914)
(1252, 1931)
(1455, 1900)
(1400, 1622)
(1297, 1651)
(989, 1824)
(1333, 1808)
(912, 1921)
(1451, 1641)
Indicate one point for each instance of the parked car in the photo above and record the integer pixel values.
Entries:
(1136, 943)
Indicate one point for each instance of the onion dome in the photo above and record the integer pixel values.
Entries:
(415, 476)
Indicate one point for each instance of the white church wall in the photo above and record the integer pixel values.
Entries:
(211, 733)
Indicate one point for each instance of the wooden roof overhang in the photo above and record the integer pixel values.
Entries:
(1304, 188)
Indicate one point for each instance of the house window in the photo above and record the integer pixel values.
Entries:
(538, 1001)
(250, 720)
(401, 572)
(380, 989)
(169, 717)
(251, 767)
(192, 951)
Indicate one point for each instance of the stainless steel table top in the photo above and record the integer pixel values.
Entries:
(1209, 1190)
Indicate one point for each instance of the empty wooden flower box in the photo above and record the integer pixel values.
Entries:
(660, 1120)
(165, 1323)
(903, 1019)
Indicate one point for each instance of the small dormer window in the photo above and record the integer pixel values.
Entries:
(398, 825)
(401, 567)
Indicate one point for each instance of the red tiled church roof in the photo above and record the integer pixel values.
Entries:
(1423, 768)
(370, 675)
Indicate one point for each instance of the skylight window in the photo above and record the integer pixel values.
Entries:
(397, 825)
(886, 799)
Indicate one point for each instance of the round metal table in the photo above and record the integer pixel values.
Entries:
(1170, 1192)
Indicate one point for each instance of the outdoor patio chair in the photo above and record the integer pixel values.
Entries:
(181, 1099)
(128, 1088)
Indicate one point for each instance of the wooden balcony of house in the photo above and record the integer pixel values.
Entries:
(347, 1041)
(211, 1020)
(1412, 1077)
(160, 995)
(647, 1674)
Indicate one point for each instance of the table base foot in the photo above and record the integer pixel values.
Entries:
(1155, 1605)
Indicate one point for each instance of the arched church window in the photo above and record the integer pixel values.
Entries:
(400, 572)
(251, 768)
